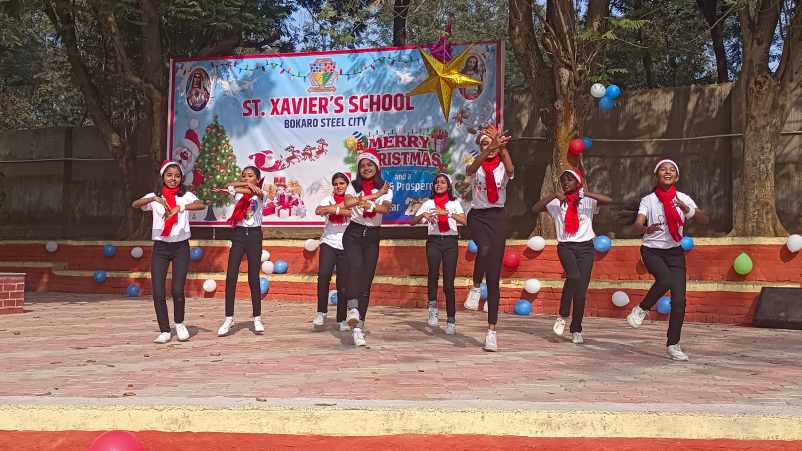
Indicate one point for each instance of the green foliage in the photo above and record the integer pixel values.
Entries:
(338, 24)
(217, 163)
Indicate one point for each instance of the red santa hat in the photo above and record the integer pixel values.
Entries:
(577, 175)
(191, 140)
(669, 161)
(166, 164)
(369, 154)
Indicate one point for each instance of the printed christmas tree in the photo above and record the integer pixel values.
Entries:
(218, 164)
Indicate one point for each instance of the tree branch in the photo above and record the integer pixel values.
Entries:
(788, 72)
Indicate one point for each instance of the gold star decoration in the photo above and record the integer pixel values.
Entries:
(443, 79)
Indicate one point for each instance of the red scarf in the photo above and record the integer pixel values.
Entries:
(489, 165)
(367, 189)
(169, 197)
(572, 213)
(673, 219)
(442, 220)
(337, 219)
(240, 209)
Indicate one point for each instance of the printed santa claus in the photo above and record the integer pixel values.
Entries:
(186, 155)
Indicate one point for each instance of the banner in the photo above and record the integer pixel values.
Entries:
(301, 117)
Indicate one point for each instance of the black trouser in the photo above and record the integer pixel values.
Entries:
(577, 261)
(329, 258)
(488, 231)
(361, 245)
(668, 268)
(443, 248)
(247, 241)
(163, 254)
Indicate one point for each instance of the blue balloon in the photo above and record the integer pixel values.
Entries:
(602, 243)
(196, 254)
(264, 285)
(664, 305)
(333, 298)
(280, 267)
(587, 141)
(109, 250)
(606, 104)
(133, 290)
(483, 287)
(613, 92)
(472, 247)
(523, 307)
(100, 276)
(686, 243)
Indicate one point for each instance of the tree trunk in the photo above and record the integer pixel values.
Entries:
(709, 9)
(400, 11)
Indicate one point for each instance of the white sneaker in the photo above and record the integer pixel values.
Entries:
(352, 318)
(675, 352)
(472, 301)
(320, 319)
(636, 316)
(490, 341)
(181, 331)
(226, 327)
(559, 326)
(258, 327)
(576, 338)
(432, 317)
(451, 329)
(344, 327)
(163, 338)
(485, 307)
(359, 337)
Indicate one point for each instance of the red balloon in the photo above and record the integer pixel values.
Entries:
(511, 259)
(576, 146)
(116, 441)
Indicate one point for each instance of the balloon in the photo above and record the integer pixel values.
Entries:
(742, 264)
(196, 254)
(137, 252)
(311, 245)
(576, 146)
(268, 267)
(109, 250)
(602, 243)
(686, 243)
(133, 290)
(100, 276)
(472, 247)
(51, 246)
(483, 289)
(536, 243)
(523, 307)
(620, 299)
(333, 297)
(264, 285)
(606, 104)
(532, 286)
(794, 243)
(209, 285)
(664, 305)
(511, 259)
(613, 92)
(265, 255)
(116, 441)
(588, 142)
(280, 267)
(598, 90)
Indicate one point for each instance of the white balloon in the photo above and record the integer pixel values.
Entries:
(794, 243)
(267, 267)
(136, 252)
(598, 90)
(209, 285)
(532, 286)
(265, 255)
(536, 243)
(310, 245)
(51, 246)
(620, 299)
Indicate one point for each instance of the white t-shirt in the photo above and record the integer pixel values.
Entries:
(480, 188)
(253, 214)
(587, 208)
(452, 206)
(180, 230)
(332, 232)
(356, 212)
(652, 208)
